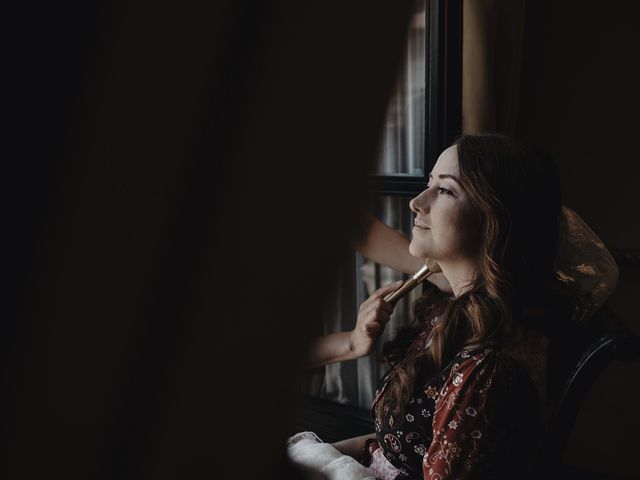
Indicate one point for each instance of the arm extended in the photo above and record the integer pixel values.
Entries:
(354, 447)
(373, 315)
(387, 246)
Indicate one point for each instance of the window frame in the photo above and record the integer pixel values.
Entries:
(443, 99)
(443, 103)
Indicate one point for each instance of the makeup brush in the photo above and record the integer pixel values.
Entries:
(425, 272)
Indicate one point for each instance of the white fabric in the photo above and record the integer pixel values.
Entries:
(307, 449)
(382, 467)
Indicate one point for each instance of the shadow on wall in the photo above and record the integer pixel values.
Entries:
(580, 99)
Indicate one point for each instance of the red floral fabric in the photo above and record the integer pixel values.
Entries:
(460, 423)
(479, 418)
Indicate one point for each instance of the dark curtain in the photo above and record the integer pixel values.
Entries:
(183, 180)
(492, 46)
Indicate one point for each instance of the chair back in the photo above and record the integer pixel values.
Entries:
(617, 345)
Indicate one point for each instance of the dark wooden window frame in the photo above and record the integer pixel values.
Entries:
(443, 101)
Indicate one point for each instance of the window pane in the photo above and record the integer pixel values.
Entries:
(395, 212)
(403, 142)
(355, 382)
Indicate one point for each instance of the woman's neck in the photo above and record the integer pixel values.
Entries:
(460, 274)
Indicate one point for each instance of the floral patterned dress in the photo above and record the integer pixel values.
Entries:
(479, 418)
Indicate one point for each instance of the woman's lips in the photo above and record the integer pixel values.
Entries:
(420, 227)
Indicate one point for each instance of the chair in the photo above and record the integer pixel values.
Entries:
(615, 345)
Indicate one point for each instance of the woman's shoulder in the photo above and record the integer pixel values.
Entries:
(489, 372)
(474, 356)
(480, 364)
(484, 354)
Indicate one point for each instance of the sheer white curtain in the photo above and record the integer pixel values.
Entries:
(402, 153)
(355, 382)
(403, 143)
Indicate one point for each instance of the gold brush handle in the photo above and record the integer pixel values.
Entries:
(409, 285)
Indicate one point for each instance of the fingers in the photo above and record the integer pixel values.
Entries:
(375, 312)
(373, 304)
(382, 291)
(376, 320)
(373, 328)
(376, 298)
(376, 327)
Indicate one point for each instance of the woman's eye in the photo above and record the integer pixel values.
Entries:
(444, 191)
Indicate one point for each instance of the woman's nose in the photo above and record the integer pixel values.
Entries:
(419, 203)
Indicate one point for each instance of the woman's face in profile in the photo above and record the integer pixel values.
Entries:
(446, 226)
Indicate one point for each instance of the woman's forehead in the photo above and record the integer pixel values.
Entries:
(447, 163)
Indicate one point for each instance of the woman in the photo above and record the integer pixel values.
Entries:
(463, 399)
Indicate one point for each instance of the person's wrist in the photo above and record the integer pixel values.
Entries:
(352, 349)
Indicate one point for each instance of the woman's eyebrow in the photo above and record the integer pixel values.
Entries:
(446, 175)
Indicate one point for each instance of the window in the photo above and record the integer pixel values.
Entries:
(423, 118)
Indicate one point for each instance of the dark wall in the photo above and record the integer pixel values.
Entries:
(177, 222)
(580, 99)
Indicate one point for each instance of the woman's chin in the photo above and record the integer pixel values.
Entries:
(418, 251)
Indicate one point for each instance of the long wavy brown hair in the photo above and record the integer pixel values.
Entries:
(514, 188)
